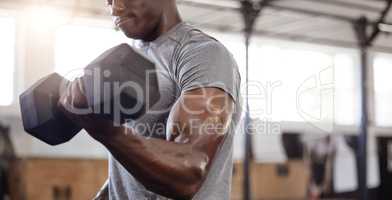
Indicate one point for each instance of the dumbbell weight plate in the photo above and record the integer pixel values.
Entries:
(40, 114)
(121, 67)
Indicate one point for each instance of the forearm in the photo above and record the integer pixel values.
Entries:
(197, 124)
(172, 169)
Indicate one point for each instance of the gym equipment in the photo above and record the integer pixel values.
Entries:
(127, 76)
(40, 114)
(120, 84)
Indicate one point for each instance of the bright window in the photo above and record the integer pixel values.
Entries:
(303, 85)
(78, 45)
(383, 89)
(7, 61)
(290, 83)
(346, 89)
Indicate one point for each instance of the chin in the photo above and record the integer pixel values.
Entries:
(131, 33)
(137, 31)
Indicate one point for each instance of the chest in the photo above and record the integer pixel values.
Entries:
(154, 123)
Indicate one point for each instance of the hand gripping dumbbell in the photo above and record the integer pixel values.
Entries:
(119, 78)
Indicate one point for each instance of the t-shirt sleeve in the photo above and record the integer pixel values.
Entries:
(208, 64)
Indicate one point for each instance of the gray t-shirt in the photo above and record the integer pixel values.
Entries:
(186, 59)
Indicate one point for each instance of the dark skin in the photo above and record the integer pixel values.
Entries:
(176, 167)
(198, 122)
(144, 19)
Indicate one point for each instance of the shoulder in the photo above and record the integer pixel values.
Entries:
(194, 40)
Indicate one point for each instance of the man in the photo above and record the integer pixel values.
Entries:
(191, 156)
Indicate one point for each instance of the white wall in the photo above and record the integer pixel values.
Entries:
(35, 42)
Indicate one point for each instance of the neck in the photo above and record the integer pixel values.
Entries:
(170, 19)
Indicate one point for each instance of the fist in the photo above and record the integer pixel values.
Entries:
(73, 99)
(73, 104)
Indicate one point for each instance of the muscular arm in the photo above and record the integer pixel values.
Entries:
(176, 167)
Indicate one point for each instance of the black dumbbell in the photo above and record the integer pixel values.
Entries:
(119, 68)
(40, 114)
(121, 78)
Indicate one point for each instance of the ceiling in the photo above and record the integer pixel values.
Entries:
(317, 21)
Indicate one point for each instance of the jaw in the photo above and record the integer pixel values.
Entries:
(147, 32)
(151, 27)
